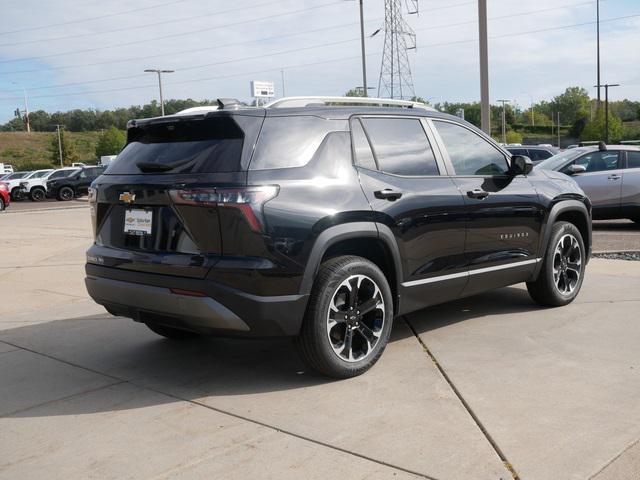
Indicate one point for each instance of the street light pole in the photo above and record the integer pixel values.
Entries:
(504, 120)
(364, 61)
(598, 45)
(59, 145)
(26, 110)
(485, 108)
(159, 72)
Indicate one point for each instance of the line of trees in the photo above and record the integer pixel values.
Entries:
(94, 120)
(579, 116)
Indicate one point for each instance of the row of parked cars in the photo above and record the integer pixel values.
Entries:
(63, 183)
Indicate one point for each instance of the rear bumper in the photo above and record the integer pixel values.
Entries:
(222, 310)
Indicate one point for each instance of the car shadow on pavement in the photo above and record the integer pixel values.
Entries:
(504, 301)
(168, 371)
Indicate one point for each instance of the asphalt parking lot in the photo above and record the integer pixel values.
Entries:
(488, 387)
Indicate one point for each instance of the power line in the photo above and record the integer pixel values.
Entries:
(562, 27)
(137, 27)
(174, 35)
(87, 19)
(204, 65)
(123, 60)
(191, 50)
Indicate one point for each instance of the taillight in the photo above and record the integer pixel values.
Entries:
(249, 200)
(3, 187)
(93, 208)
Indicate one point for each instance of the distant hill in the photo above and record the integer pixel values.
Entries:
(27, 150)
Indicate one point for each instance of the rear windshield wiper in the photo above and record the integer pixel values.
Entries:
(153, 167)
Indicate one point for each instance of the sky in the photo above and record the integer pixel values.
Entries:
(92, 53)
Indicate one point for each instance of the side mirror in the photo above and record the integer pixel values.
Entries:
(521, 165)
(575, 169)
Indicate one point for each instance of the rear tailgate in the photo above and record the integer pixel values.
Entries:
(141, 222)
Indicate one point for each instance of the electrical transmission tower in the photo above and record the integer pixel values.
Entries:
(395, 73)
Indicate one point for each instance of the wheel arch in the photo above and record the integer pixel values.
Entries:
(574, 212)
(369, 240)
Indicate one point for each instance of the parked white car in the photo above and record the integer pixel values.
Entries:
(14, 185)
(36, 187)
(13, 182)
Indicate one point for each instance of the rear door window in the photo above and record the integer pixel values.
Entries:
(208, 145)
(361, 147)
(401, 146)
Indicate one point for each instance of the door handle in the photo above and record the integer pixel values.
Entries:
(614, 176)
(387, 194)
(477, 193)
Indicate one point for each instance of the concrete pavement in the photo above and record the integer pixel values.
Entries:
(461, 389)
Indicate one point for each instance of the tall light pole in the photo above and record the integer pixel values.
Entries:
(26, 108)
(364, 61)
(160, 72)
(606, 107)
(485, 108)
(598, 45)
(59, 144)
(533, 119)
(504, 120)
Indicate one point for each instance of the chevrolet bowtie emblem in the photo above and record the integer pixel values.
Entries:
(127, 197)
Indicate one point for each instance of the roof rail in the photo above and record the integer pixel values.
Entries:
(288, 102)
(630, 142)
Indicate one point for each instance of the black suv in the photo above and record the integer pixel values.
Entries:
(76, 185)
(324, 222)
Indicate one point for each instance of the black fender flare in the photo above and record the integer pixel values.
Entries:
(559, 208)
(345, 231)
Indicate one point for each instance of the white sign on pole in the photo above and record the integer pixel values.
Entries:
(260, 89)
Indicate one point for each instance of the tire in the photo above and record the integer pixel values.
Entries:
(37, 195)
(563, 267)
(322, 342)
(171, 333)
(2, 205)
(65, 194)
(15, 194)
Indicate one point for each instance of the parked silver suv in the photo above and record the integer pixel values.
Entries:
(609, 175)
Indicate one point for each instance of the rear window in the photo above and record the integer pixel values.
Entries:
(195, 146)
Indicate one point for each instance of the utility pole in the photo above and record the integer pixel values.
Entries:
(159, 72)
(26, 110)
(598, 45)
(364, 61)
(558, 129)
(504, 120)
(606, 107)
(59, 144)
(485, 107)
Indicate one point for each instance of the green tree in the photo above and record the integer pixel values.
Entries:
(354, 92)
(513, 137)
(69, 154)
(595, 129)
(110, 142)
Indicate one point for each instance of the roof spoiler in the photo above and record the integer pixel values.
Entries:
(230, 104)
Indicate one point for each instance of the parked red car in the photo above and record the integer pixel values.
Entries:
(5, 197)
